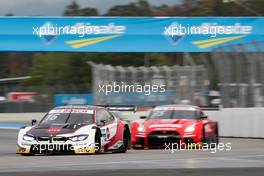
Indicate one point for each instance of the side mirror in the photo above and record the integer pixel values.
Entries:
(143, 117)
(204, 117)
(103, 122)
(33, 122)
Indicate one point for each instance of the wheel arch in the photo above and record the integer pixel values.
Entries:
(97, 130)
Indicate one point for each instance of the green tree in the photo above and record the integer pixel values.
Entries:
(72, 10)
(59, 72)
(9, 14)
(140, 8)
(89, 12)
(211, 8)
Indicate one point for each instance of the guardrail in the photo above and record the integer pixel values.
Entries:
(239, 122)
(233, 122)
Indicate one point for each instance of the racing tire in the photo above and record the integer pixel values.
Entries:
(97, 141)
(212, 141)
(216, 134)
(126, 142)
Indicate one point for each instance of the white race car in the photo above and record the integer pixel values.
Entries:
(75, 130)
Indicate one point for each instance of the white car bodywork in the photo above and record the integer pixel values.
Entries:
(79, 141)
(78, 147)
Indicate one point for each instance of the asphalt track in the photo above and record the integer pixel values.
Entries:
(245, 158)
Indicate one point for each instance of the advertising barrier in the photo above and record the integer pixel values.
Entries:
(73, 99)
(124, 34)
(139, 99)
(21, 96)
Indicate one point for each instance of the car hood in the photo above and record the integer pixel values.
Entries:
(53, 129)
(169, 123)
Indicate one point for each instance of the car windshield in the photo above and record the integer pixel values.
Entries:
(173, 114)
(70, 117)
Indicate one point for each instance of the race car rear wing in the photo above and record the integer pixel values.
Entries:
(120, 107)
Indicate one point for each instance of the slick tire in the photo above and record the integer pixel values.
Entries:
(212, 141)
(126, 142)
(97, 141)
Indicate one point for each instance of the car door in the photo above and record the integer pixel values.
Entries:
(108, 125)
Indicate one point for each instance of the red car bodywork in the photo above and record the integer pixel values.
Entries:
(158, 131)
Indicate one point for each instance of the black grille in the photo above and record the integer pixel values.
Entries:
(158, 139)
(61, 139)
(43, 138)
(52, 139)
(165, 133)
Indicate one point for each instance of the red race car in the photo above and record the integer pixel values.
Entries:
(181, 124)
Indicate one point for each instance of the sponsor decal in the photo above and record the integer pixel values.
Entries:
(46, 37)
(54, 130)
(170, 36)
(117, 145)
(203, 44)
(86, 111)
(89, 41)
(176, 31)
(49, 31)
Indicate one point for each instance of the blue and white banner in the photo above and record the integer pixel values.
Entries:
(73, 99)
(139, 99)
(117, 34)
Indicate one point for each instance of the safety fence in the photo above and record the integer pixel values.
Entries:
(241, 74)
(187, 84)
